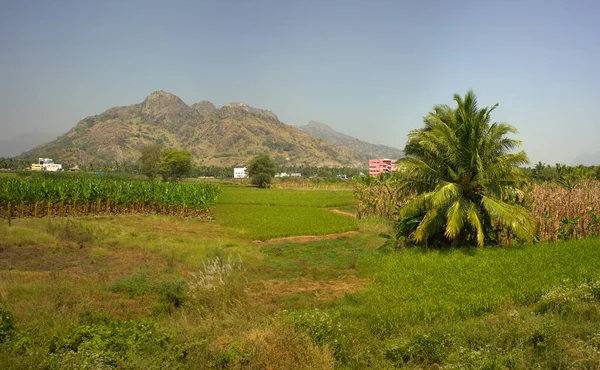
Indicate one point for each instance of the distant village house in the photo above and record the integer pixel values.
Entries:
(240, 173)
(379, 166)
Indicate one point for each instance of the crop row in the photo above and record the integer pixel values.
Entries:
(61, 197)
(561, 213)
(566, 213)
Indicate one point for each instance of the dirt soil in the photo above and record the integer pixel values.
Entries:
(266, 291)
(307, 238)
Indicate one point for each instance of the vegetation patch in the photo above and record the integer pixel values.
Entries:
(415, 286)
(264, 222)
(286, 197)
(41, 197)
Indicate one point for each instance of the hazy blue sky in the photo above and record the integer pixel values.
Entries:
(371, 69)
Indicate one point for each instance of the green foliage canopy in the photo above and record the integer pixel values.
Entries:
(150, 160)
(170, 163)
(175, 164)
(262, 170)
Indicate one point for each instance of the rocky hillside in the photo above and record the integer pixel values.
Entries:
(225, 136)
(359, 148)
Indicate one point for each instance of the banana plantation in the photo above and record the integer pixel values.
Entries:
(52, 197)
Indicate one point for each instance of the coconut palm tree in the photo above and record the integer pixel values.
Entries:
(466, 176)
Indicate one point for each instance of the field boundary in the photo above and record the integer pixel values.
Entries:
(307, 238)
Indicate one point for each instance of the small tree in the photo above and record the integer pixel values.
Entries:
(261, 171)
(150, 160)
(175, 164)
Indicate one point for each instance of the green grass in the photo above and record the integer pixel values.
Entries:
(286, 197)
(415, 287)
(262, 222)
(69, 283)
(319, 259)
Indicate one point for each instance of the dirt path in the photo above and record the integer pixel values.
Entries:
(344, 213)
(307, 238)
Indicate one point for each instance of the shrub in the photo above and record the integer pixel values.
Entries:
(262, 180)
(109, 344)
(173, 293)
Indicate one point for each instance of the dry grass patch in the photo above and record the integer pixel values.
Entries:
(268, 292)
(277, 346)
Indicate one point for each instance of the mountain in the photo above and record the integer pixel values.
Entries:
(20, 143)
(225, 136)
(361, 149)
(587, 159)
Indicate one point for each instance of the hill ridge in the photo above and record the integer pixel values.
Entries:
(362, 149)
(229, 135)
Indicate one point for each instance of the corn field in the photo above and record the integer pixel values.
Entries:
(39, 197)
(378, 198)
(561, 213)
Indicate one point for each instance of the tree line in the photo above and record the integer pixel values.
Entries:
(150, 163)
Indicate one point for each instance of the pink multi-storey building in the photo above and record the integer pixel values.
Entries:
(379, 166)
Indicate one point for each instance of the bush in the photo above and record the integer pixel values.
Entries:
(113, 344)
(262, 180)
(173, 293)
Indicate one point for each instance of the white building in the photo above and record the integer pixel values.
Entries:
(240, 173)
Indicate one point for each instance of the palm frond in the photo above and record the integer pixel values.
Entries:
(455, 218)
(517, 218)
(432, 222)
(415, 206)
(474, 218)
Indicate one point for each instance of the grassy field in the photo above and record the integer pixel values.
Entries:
(264, 222)
(168, 292)
(287, 197)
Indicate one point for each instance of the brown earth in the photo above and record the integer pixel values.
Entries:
(307, 238)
